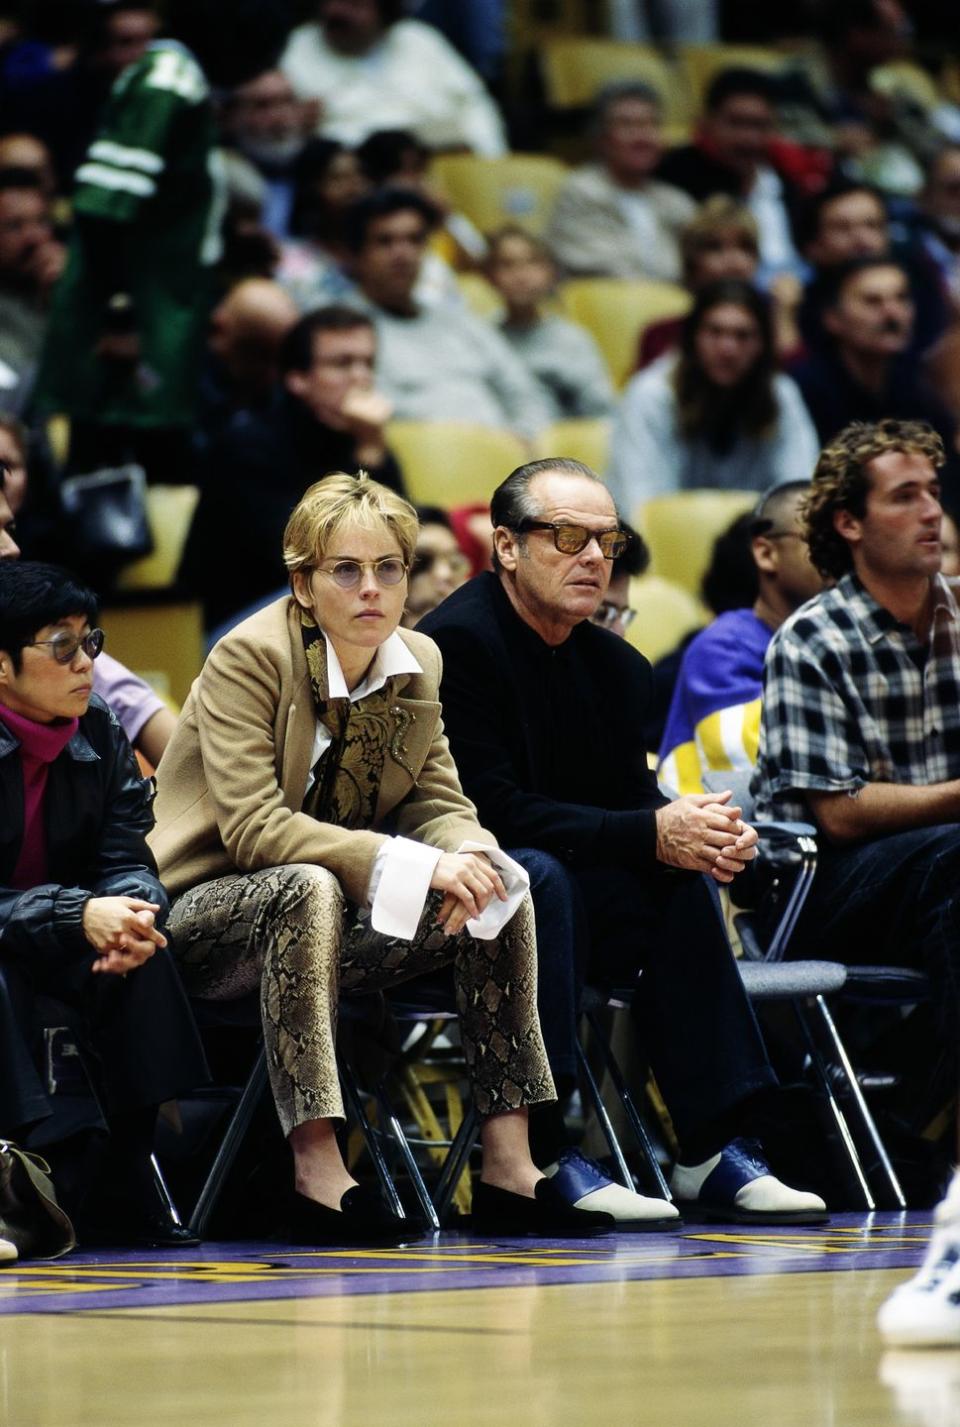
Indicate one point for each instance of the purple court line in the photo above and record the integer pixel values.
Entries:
(247, 1272)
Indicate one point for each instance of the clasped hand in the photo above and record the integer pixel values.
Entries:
(468, 881)
(701, 833)
(122, 931)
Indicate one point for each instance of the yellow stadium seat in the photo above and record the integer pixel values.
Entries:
(616, 310)
(699, 63)
(576, 69)
(517, 188)
(162, 642)
(587, 441)
(903, 79)
(665, 613)
(680, 530)
(480, 296)
(450, 463)
(169, 511)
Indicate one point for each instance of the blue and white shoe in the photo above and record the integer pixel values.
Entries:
(736, 1187)
(8, 1251)
(583, 1184)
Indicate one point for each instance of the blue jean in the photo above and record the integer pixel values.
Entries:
(893, 901)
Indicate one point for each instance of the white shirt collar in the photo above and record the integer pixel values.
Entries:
(392, 657)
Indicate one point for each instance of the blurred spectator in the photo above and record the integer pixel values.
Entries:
(56, 79)
(129, 315)
(847, 220)
(739, 152)
(615, 611)
(436, 364)
(730, 582)
(327, 417)
(560, 354)
(938, 223)
(29, 154)
(318, 269)
(718, 415)
(439, 565)
(722, 241)
(677, 21)
(866, 373)
(242, 369)
(395, 158)
(714, 718)
(31, 261)
(264, 121)
(612, 218)
(370, 70)
(144, 717)
(949, 546)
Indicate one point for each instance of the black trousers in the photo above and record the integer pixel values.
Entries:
(696, 1025)
(137, 1029)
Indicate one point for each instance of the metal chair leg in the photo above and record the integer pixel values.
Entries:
(840, 1120)
(648, 1156)
(603, 1118)
(459, 1153)
(867, 1121)
(371, 1139)
(243, 1113)
(389, 1119)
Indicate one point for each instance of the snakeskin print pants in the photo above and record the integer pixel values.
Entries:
(291, 931)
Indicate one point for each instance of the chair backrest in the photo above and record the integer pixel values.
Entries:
(480, 296)
(616, 310)
(680, 530)
(699, 63)
(169, 511)
(450, 463)
(517, 188)
(162, 642)
(576, 69)
(586, 440)
(664, 614)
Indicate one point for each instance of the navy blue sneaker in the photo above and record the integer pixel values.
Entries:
(736, 1187)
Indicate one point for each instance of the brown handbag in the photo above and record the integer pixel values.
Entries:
(30, 1216)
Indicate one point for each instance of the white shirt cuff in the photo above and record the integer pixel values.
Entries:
(496, 914)
(400, 880)
(399, 883)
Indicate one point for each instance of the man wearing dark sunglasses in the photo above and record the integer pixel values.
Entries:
(544, 711)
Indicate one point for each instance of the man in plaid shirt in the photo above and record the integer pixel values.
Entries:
(860, 733)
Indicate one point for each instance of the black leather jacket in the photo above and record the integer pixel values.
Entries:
(97, 812)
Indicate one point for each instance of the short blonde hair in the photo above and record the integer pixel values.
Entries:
(340, 500)
(717, 215)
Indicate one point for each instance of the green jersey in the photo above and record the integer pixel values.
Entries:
(152, 171)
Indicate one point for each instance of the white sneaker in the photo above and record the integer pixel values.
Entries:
(924, 1312)
(8, 1251)
(584, 1185)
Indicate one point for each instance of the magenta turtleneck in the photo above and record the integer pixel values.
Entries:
(40, 744)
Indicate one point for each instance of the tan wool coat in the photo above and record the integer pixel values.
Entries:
(233, 778)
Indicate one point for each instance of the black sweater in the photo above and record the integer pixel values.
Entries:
(547, 739)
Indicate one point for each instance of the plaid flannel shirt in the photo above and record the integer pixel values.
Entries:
(851, 697)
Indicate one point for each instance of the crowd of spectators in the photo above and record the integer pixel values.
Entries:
(226, 257)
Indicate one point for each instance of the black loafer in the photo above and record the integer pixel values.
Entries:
(546, 1216)
(362, 1218)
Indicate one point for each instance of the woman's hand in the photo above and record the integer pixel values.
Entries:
(468, 882)
(122, 931)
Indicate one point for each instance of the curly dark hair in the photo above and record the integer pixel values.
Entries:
(841, 482)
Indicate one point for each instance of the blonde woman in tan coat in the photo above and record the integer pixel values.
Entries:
(314, 837)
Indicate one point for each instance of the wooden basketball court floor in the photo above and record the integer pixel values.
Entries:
(714, 1325)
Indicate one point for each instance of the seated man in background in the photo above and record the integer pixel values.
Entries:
(327, 416)
(865, 373)
(81, 906)
(612, 218)
(860, 730)
(561, 355)
(615, 611)
(439, 565)
(434, 363)
(31, 261)
(543, 711)
(714, 718)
